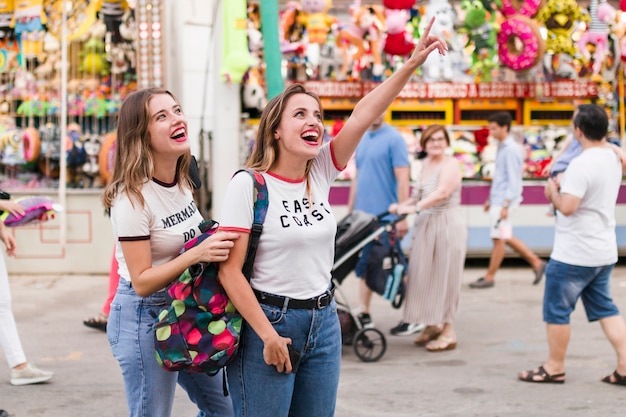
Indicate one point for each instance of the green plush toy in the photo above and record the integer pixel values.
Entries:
(481, 29)
(236, 58)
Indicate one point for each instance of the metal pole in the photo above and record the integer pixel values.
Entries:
(62, 192)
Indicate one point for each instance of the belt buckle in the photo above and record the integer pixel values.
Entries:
(321, 298)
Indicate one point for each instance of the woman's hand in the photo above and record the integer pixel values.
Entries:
(405, 208)
(275, 353)
(9, 241)
(12, 207)
(393, 208)
(426, 45)
(216, 247)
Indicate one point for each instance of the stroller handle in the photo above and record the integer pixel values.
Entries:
(392, 223)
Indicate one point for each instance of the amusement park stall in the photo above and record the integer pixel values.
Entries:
(64, 72)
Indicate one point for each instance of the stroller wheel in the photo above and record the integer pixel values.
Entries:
(369, 345)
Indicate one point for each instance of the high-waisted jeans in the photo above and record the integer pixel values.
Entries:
(150, 389)
(259, 390)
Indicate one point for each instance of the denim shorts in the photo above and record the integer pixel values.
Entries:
(566, 283)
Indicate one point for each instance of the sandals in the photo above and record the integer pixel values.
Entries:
(98, 322)
(617, 379)
(441, 344)
(430, 333)
(540, 375)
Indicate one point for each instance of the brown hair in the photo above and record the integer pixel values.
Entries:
(430, 131)
(134, 162)
(265, 151)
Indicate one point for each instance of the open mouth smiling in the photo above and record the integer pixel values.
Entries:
(179, 135)
(310, 136)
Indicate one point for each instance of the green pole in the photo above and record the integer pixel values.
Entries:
(271, 48)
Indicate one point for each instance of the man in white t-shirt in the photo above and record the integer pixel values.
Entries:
(585, 248)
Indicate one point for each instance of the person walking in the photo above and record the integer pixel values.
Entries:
(290, 352)
(505, 197)
(153, 214)
(439, 244)
(585, 249)
(381, 178)
(22, 371)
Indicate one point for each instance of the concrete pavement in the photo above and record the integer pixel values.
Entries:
(500, 332)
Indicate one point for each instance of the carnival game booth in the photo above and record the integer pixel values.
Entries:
(539, 124)
(537, 60)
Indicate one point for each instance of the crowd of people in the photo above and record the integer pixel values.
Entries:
(281, 310)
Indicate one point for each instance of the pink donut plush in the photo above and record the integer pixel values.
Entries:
(513, 31)
(527, 8)
(36, 209)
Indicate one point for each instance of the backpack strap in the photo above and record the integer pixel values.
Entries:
(261, 202)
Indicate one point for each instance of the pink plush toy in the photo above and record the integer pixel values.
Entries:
(398, 40)
(36, 209)
(597, 36)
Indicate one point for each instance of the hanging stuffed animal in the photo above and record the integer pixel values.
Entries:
(481, 32)
(594, 43)
(560, 17)
(112, 13)
(439, 67)
(236, 58)
(398, 41)
(28, 16)
(366, 26)
(6, 15)
(315, 20)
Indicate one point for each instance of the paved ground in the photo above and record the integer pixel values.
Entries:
(499, 330)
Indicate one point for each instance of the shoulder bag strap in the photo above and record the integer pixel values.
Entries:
(260, 198)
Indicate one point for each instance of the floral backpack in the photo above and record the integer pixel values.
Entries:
(198, 329)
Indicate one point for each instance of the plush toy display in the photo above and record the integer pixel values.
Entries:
(36, 209)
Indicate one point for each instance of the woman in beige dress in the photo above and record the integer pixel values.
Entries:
(439, 244)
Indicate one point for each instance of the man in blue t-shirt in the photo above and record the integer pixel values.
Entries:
(381, 179)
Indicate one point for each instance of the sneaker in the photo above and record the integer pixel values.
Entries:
(481, 283)
(404, 329)
(30, 375)
(366, 321)
(4, 413)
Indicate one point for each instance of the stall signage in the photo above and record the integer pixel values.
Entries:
(557, 89)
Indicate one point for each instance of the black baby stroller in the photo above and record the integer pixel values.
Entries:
(383, 276)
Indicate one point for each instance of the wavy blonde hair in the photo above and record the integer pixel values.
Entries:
(134, 161)
(266, 150)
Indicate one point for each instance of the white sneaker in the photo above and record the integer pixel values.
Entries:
(30, 375)
(404, 329)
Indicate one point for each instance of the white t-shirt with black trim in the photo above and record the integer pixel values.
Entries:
(169, 218)
(296, 248)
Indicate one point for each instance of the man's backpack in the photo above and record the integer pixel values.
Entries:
(198, 329)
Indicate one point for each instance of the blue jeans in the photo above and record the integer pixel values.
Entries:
(149, 388)
(259, 390)
(566, 283)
